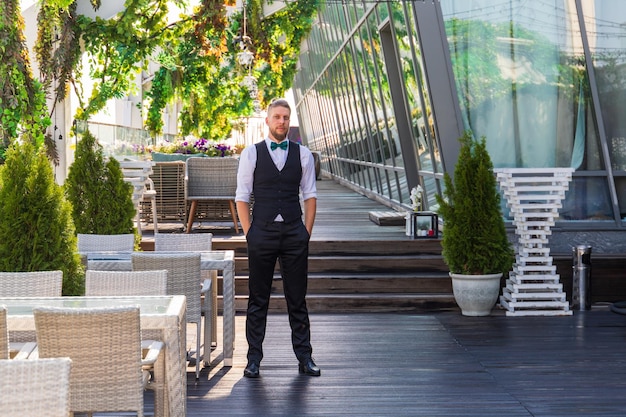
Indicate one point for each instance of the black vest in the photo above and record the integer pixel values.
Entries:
(277, 192)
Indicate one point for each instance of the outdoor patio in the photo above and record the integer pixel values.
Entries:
(441, 364)
(411, 364)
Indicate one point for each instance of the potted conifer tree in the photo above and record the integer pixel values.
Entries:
(475, 244)
(101, 199)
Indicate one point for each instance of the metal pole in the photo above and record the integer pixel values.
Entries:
(581, 278)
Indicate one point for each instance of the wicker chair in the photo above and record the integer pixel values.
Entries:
(137, 173)
(31, 284)
(106, 243)
(108, 372)
(111, 283)
(197, 242)
(209, 179)
(168, 179)
(35, 388)
(28, 284)
(4, 334)
(12, 350)
(183, 278)
(177, 242)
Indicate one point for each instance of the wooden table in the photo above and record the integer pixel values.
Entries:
(163, 314)
(211, 260)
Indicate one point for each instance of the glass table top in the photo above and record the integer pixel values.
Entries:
(147, 304)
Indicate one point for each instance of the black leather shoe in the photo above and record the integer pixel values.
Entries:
(252, 370)
(308, 367)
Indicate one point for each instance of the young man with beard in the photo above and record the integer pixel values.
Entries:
(276, 171)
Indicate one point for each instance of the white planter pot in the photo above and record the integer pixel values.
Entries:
(476, 294)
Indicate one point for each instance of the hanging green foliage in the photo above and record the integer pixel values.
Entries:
(57, 48)
(23, 111)
(196, 55)
(200, 70)
(117, 49)
(277, 41)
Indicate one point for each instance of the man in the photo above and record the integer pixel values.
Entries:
(276, 170)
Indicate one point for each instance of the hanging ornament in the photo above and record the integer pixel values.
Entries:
(245, 58)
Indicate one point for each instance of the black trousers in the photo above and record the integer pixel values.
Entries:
(289, 244)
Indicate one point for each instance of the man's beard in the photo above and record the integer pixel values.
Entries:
(278, 136)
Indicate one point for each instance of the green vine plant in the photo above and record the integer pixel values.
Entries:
(195, 54)
(117, 49)
(199, 69)
(23, 110)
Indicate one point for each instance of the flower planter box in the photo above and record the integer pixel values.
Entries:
(170, 157)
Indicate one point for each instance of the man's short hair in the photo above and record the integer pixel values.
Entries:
(278, 102)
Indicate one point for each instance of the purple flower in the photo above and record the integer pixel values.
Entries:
(222, 149)
(201, 144)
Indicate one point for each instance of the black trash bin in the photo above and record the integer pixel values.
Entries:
(581, 278)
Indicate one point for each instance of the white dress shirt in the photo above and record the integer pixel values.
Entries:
(247, 165)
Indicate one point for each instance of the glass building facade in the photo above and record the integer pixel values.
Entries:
(386, 88)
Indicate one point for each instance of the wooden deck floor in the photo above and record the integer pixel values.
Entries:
(342, 214)
(435, 365)
(440, 364)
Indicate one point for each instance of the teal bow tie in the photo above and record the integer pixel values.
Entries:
(282, 145)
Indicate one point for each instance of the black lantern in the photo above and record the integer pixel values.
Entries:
(423, 225)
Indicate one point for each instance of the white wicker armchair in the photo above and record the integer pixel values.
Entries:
(196, 242)
(137, 173)
(31, 284)
(87, 242)
(108, 373)
(209, 179)
(10, 350)
(183, 278)
(35, 387)
(4, 334)
(28, 284)
(111, 283)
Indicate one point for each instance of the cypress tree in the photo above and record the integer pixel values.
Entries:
(36, 228)
(101, 199)
(474, 237)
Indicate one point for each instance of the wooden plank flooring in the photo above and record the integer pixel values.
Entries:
(441, 364)
(432, 364)
(342, 214)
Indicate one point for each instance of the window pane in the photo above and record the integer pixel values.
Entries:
(522, 82)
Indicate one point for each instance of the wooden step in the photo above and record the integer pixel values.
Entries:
(359, 275)
(352, 303)
(364, 264)
(345, 248)
(363, 275)
(419, 283)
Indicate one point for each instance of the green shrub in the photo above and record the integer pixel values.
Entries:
(36, 228)
(474, 237)
(101, 199)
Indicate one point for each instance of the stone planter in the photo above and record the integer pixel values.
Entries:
(476, 294)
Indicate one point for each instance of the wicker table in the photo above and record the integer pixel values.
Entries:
(163, 314)
(211, 260)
